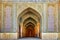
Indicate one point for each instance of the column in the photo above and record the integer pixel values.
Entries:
(14, 18)
(44, 22)
(0, 16)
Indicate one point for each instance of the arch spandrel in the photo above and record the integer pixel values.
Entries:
(27, 10)
(29, 20)
(30, 23)
(35, 13)
(35, 18)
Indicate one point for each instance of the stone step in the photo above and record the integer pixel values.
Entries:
(30, 39)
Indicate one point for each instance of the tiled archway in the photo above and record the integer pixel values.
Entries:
(29, 23)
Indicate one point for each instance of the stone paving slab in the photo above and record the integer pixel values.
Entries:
(29, 39)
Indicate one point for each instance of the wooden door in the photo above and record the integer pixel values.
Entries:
(30, 32)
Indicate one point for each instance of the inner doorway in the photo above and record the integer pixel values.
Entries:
(30, 31)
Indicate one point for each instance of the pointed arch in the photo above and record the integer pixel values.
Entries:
(29, 17)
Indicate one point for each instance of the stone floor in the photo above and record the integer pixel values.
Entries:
(36, 39)
(29, 39)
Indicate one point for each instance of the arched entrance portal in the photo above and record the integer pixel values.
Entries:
(29, 24)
